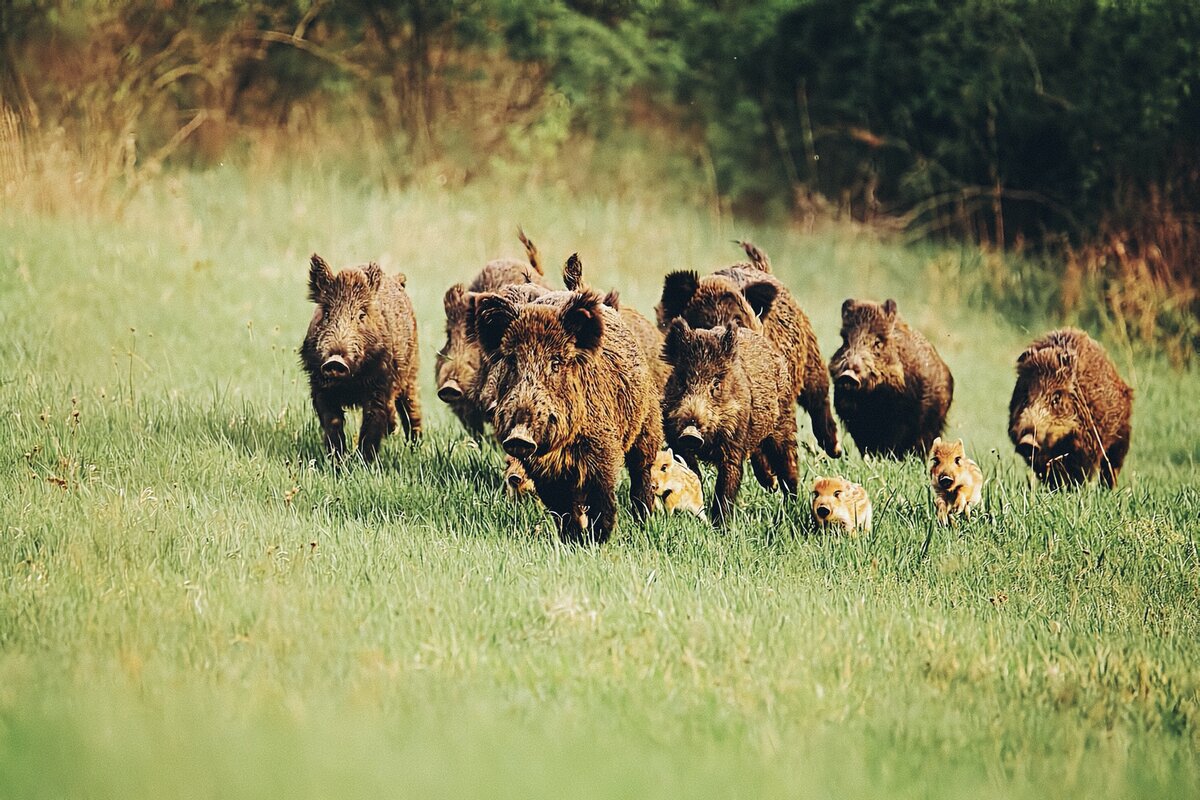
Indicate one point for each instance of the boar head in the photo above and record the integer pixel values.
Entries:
(458, 360)
(869, 355)
(946, 462)
(704, 393)
(713, 301)
(538, 353)
(347, 326)
(1045, 407)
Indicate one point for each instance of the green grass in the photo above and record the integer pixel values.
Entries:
(193, 604)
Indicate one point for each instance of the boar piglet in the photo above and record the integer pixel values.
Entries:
(1069, 416)
(459, 367)
(891, 387)
(729, 397)
(361, 350)
(751, 296)
(574, 399)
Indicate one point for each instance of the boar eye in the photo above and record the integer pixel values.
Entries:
(715, 386)
(958, 460)
(879, 344)
(838, 493)
(362, 314)
(1056, 398)
(555, 364)
(936, 462)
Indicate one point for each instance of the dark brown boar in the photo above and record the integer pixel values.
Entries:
(891, 387)
(730, 396)
(459, 362)
(574, 399)
(750, 295)
(361, 350)
(1070, 411)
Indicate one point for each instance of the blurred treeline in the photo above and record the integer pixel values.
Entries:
(1072, 125)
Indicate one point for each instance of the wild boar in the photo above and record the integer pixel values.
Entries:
(459, 362)
(361, 350)
(574, 399)
(836, 502)
(1069, 416)
(957, 480)
(891, 387)
(750, 295)
(729, 396)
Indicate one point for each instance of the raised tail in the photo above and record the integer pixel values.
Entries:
(531, 251)
(758, 259)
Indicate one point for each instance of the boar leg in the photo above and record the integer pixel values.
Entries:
(780, 452)
(762, 470)
(815, 400)
(1114, 458)
(638, 460)
(564, 504)
(409, 411)
(333, 425)
(729, 481)
(378, 421)
(601, 503)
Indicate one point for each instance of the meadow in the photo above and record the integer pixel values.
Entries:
(193, 604)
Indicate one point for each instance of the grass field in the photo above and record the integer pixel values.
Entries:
(194, 605)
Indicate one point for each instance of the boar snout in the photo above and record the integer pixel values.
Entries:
(690, 438)
(945, 481)
(849, 379)
(335, 367)
(519, 443)
(1027, 445)
(514, 481)
(822, 511)
(450, 391)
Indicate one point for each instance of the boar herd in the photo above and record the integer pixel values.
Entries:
(575, 385)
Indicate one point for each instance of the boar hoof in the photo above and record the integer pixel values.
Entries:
(335, 367)
(450, 392)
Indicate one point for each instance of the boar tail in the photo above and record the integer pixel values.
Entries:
(758, 259)
(531, 251)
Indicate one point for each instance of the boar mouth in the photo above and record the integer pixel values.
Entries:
(450, 392)
(335, 367)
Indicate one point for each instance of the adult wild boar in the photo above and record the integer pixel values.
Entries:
(891, 387)
(574, 399)
(730, 396)
(751, 296)
(1069, 416)
(459, 367)
(361, 350)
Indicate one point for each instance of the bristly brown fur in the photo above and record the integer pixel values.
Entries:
(891, 388)
(755, 299)
(1070, 413)
(365, 319)
(733, 387)
(574, 399)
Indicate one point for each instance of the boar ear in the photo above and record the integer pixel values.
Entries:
(493, 314)
(889, 308)
(960, 445)
(678, 288)
(581, 318)
(729, 339)
(613, 300)
(847, 308)
(455, 297)
(573, 273)
(936, 442)
(320, 279)
(374, 276)
(677, 335)
(760, 296)
(1025, 354)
